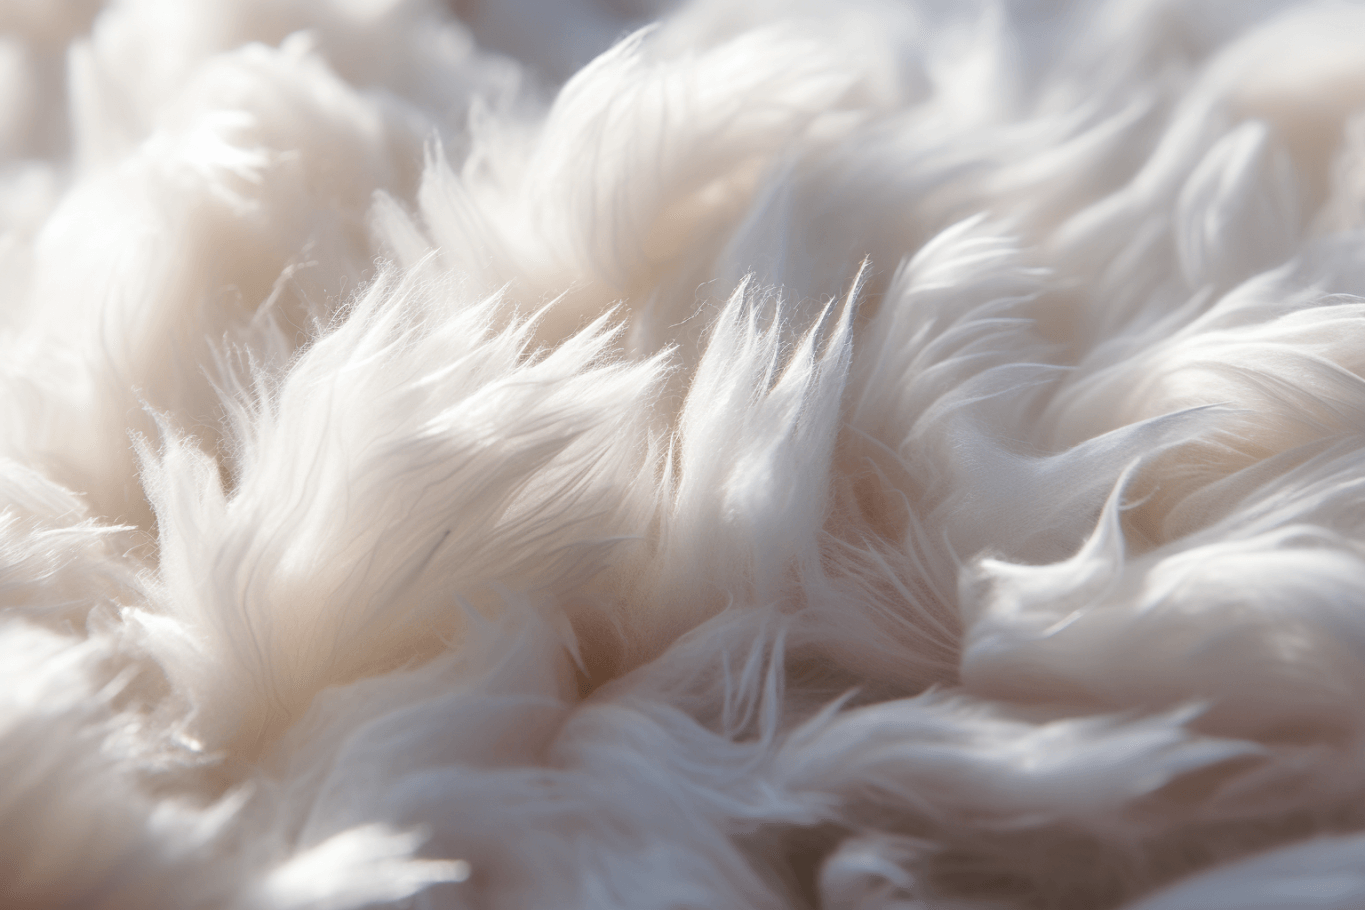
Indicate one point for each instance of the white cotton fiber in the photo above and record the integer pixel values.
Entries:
(510, 454)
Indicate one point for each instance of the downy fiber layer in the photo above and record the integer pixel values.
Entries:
(525, 454)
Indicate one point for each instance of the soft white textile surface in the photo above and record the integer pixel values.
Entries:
(891, 454)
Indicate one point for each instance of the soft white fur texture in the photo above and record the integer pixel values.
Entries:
(850, 454)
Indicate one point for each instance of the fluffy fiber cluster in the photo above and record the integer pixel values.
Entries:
(524, 454)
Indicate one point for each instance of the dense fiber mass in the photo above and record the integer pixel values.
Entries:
(846, 454)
